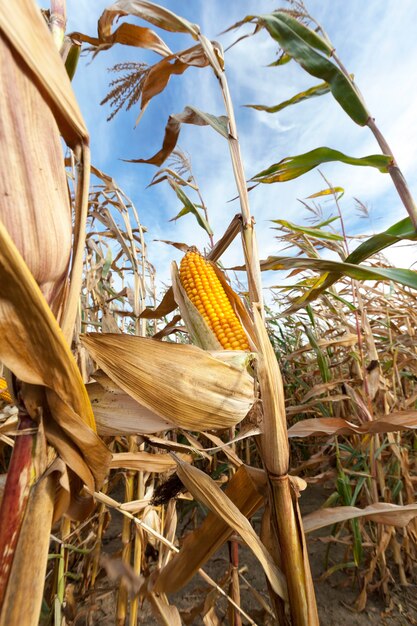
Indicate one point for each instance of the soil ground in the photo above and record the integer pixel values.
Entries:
(335, 595)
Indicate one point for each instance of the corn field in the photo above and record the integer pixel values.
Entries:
(226, 452)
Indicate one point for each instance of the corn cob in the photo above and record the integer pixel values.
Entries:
(206, 292)
(4, 394)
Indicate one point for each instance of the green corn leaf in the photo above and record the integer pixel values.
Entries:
(319, 90)
(398, 232)
(302, 44)
(292, 167)
(189, 207)
(404, 277)
(312, 232)
(307, 34)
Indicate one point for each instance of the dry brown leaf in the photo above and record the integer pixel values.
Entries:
(199, 546)
(204, 489)
(127, 34)
(144, 461)
(166, 306)
(33, 347)
(190, 115)
(350, 339)
(381, 512)
(400, 420)
(159, 74)
(179, 382)
(156, 15)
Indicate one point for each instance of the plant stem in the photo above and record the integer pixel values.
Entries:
(20, 477)
(396, 174)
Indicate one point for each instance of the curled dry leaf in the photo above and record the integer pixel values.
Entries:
(127, 34)
(204, 489)
(400, 420)
(145, 462)
(181, 383)
(153, 13)
(34, 348)
(381, 512)
(190, 115)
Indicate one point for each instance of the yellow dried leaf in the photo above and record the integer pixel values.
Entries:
(204, 489)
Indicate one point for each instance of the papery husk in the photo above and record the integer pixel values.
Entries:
(35, 212)
(200, 333)
(274, 442)
(116, 413)
(181, 383)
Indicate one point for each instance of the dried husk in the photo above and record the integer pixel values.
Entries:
(274, 442)
(116, 413)
(35, 212)
(181, 383)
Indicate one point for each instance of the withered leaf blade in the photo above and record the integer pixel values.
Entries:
(181, 383)
(190, 115)
(382, 512)
(201, 544)
(166, 306)
(144, 462)
(34, 348)
(204, 489)
(153, 13)
(127, 34)
(393, 422)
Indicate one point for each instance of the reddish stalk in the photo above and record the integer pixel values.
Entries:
(20, 477)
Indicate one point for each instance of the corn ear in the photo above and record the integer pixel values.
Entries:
(181, 383)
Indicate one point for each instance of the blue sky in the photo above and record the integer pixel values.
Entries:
(375, 40)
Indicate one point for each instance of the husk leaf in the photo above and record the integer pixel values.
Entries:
(181, 383)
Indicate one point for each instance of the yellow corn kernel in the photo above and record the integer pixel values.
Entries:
(4, 394)
(206, 292)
